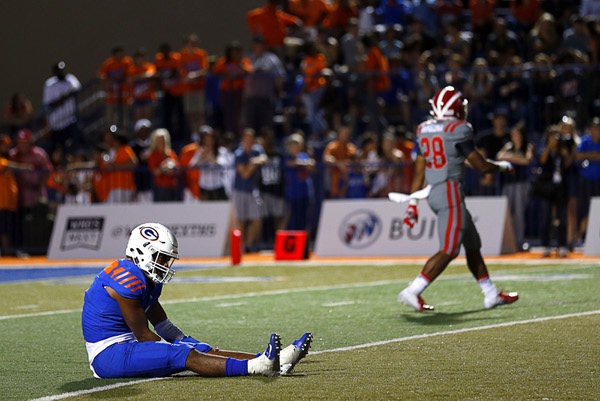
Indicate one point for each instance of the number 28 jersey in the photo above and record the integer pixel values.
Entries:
(437, 142)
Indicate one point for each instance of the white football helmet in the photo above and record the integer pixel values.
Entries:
(153, 248)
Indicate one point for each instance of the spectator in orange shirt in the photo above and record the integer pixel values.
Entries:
(169, 73)
(113, 73)
(271, 23)
(338, 155)
(340, 13)
(8, 196)
(164, 164)
(119, 163)
(312, 13)
(194, 64)
(314, 83)
(232, 68)
(187, 158)
(378, 81)
(141, 82)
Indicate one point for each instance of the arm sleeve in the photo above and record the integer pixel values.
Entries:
(466, 147)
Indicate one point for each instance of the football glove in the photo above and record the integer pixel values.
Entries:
(192, 342)
(411, 217)
(505, 166)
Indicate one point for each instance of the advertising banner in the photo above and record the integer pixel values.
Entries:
(101, 231)
(592, 237)
(374, 228)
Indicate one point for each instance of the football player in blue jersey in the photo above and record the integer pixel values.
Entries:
(124, 297)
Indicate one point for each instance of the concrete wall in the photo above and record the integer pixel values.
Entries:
(34, 34)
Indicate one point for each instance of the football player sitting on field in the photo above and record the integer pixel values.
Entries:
(444, 143)
(124, 297)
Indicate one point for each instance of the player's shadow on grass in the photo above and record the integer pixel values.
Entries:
(439, 318)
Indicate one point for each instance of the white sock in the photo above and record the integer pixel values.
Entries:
(487, 287)
(419, 284)
(255, 366)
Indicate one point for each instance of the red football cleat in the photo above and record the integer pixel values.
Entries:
(414, 301)
(501, 298)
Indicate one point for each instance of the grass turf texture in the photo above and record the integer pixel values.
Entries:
(342, 306)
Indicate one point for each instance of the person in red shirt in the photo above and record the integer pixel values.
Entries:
(271, 23)
(232, 68)
(169, 73)
(141, 84)
(113, 73)
(164, 165)
(525, 12)
(194, 65)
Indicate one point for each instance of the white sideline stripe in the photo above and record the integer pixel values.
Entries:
(235, 296)
(48, 313)
(341, 349)
(457, 331)
(298, 290)
(95, 390)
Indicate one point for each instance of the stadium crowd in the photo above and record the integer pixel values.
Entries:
(323, 105)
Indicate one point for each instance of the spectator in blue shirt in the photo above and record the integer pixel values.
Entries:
(298, 183)
(247, 201)
(589, 157)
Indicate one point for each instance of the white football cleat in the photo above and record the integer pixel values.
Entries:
(293, 353)
(267, 364)
(414, 301)
(500, 299)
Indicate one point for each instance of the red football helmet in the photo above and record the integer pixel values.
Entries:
(448, 103)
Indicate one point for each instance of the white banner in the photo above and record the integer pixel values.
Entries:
(375, 228)
(101, 231)
(592, 236)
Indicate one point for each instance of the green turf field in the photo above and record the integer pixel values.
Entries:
(367, 347)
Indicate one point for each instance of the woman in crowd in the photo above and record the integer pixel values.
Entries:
(550, 187)
(164, 165)
(519, 152)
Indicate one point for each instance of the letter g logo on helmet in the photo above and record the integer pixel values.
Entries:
(149, 233)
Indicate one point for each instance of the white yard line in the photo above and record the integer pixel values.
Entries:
(457, 331)
(96, 390)
(343, 349)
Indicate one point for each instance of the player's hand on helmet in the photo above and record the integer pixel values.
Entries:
(411, 217)
(506, 166)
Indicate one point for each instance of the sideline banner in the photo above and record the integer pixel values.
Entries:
(375, 228)
(101, 231)
(592, 237)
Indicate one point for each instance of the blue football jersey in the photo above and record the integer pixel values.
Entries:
(101, 317)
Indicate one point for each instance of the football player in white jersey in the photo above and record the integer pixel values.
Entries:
(445, 145)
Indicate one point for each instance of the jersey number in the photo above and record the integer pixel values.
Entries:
(435, 146)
